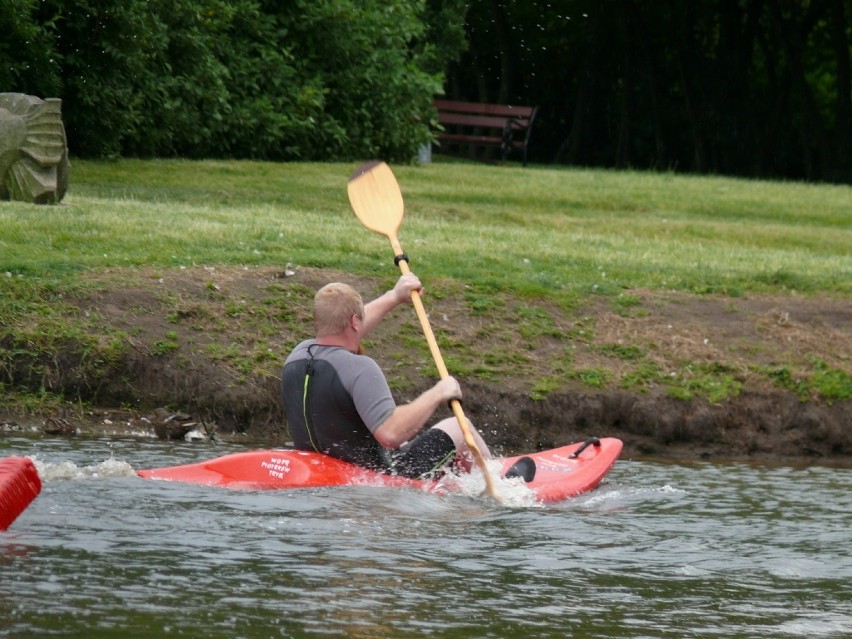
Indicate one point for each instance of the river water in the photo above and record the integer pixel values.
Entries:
(659, 550)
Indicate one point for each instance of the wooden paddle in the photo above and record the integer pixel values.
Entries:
(377, 201)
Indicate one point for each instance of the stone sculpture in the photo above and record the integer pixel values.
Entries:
(34, 164)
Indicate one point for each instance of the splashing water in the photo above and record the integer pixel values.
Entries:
(509, 492)
(68, 470)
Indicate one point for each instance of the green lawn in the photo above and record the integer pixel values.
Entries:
(539, 231)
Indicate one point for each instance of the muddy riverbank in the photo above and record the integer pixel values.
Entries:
(673, 375)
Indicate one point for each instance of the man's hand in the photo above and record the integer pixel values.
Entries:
(449, 389)
(381, 306)
(404, 286)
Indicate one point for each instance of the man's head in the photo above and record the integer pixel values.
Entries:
(334, 306)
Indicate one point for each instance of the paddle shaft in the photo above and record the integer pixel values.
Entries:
(455, 404)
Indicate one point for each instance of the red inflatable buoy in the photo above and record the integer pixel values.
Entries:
(19, 485)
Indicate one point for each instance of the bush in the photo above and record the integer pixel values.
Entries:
(310, 80)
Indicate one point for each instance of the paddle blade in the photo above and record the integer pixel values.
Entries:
(19, 485)
(376, 198)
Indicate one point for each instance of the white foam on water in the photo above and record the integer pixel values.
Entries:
(612, 497)
(68, 470)
(601, 497)
(670, 489)
(509, 492)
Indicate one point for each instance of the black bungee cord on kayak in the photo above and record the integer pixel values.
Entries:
(591, 441)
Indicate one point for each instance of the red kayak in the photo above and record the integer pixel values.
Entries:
(19, 485)
(560, 472)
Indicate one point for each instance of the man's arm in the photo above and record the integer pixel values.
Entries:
(375, 311)
(408, 419)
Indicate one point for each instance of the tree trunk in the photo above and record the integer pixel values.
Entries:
(504, 46)
(843, 104)
(812, 135)
(622, 149)
(572, 147)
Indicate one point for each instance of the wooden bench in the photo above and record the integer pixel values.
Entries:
(473, 124)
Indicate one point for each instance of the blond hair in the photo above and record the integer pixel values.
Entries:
(334, 306)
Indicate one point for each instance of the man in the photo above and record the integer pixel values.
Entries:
(338, 402)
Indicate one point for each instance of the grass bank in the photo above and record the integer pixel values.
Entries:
(553, 233)
(524, 256)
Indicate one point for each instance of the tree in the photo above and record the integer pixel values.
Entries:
(755, 87)
(326, 79)
(26, 53)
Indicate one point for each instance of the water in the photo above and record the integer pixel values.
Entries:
(659, 550)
